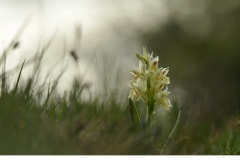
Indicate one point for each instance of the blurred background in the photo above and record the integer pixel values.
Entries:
(102, 34)
(197, 39)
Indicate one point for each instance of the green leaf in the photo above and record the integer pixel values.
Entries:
(134, 113)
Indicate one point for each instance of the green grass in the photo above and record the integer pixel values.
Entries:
(32, 122)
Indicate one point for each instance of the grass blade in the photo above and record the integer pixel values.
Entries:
(19, 75)
(174, 128)
(3, 75)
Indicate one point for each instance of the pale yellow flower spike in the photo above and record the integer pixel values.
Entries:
(150, 82)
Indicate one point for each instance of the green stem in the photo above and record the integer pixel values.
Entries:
(149, 115)
(150, 105)
(150, 108)
(149, 122)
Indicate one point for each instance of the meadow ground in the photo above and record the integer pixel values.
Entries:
(32, 122)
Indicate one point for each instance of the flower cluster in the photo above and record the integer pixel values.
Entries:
(150, 82)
